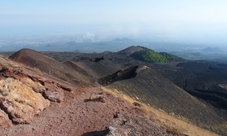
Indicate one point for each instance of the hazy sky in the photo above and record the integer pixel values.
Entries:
(192, 21)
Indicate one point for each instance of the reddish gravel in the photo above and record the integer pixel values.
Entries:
(75, 116)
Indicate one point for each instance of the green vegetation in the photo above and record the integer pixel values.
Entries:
(170, 57)
(149, 55)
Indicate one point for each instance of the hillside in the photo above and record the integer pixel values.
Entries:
(36, 103)
(146, 86)
(97, 68)
(130, 50)
(50, 66)
(149, 55)
(201, 79)
(171, 72)
(109, 88)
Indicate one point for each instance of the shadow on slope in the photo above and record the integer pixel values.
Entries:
(201, 79)
(76, 68)
(119, 75)
(92, 59)
(99, 68)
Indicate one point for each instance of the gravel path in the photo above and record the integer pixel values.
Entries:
(75, 116)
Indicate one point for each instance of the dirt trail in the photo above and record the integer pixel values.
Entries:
(76, 115)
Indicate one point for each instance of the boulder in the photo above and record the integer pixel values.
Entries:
(19, 101)
(54, 96)
(53, 92)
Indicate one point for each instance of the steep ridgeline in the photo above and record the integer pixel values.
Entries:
(50, 66)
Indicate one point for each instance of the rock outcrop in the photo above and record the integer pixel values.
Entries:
(50, 89)
(123, 74)
(25, 92)
(19, 101)
(36, 86)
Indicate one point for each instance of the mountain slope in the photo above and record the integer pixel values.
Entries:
(130, 50)
(202, 79)
(149, 55)
(98, 69)
(122, 72)
(25, 93)
(153, 89)
(50, 66)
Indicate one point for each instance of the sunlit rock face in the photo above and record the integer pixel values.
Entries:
(19, 101)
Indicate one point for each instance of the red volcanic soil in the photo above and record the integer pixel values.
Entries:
(76, 115)
(32, 58)
(50, 66)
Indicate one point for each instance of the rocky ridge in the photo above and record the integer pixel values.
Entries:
(24, 93)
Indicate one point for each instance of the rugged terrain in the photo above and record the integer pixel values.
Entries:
(37, 103)
(79, 95)
(204, 80)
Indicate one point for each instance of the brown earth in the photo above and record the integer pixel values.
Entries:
(50, 66)
(77, 115)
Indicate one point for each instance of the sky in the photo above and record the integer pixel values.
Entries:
(202, 22)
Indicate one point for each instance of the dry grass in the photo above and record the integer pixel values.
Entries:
(172, 124)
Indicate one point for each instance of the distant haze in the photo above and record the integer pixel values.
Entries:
(199, 23)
